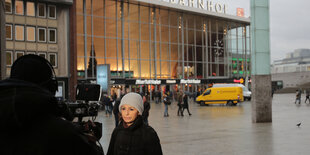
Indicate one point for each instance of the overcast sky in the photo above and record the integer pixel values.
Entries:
(289, 24)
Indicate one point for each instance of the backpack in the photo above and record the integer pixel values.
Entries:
(167, 101)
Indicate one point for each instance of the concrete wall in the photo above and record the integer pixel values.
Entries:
(292, 80)
(63, 41)
(62, 37)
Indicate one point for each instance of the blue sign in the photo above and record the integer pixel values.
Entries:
(103, 77)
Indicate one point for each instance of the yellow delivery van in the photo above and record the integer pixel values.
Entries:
(221, 95)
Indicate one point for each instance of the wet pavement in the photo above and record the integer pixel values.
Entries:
(221, 130)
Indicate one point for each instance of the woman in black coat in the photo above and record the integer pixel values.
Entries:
(132, 136)
(185, 104)
(147, 107)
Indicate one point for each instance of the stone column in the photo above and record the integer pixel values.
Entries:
(73, 53)
(260, 62)
(2, 41)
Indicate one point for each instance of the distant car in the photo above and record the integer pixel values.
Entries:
(246, 93)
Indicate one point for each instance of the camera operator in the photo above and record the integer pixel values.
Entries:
(29, 120)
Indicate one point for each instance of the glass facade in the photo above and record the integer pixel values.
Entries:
(140, 41)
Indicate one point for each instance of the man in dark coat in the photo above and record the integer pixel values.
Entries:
(298, 96)
(116, 111)
(108, 104)
(185, 104)
(166, 103)
(147, 108)
(29, 120)
(180, 105)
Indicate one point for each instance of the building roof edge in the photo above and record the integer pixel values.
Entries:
(68, 2)
(194, 10)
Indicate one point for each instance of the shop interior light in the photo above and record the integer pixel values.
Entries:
(204, 27)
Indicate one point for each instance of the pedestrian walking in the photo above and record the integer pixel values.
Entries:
(157, 96)
(166, 103)
(117, 102)
(146, 110)
(132, 136)
(180, 105)
(185, 104)
(307, 96)
(30, 122)
(298, 96)
(114, 95)
(107, 102)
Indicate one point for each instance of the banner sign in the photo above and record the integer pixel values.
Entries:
(190, 81)
(207, 5)
(168, 81)
(171, 81)
(103, 77)
(148, 82)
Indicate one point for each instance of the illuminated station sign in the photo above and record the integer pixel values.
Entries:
(207, 5)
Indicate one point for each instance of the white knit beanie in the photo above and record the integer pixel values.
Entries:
(132, 99)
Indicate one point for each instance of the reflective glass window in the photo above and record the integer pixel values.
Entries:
(98, 25)
(8, 29)
(30, 9)
(133, 12)
(42, 55)
(19, 32)
(31, 33)
(19, 7)
(98, 7)
(79, 6)
(144, 14)
(41, 34)
(110, 7)
(164, 17)
(8, 6)
(41, 10)
(52, 11)
(19, 54)
(52, 35)
(53, 59)
(9, 58)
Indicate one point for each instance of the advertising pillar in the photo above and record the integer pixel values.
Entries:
(261, 78)
(103, 77)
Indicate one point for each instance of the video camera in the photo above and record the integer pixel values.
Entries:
(87, 104)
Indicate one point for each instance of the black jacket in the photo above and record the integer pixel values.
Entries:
(106, 101)
(147, 107)
(138, 139)
(185, 102)
(116, 106)
(30, 125)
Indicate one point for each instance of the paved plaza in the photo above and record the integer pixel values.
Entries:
(221, 130)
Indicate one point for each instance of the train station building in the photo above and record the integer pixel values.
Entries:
(150, 45)
(143, 45)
